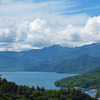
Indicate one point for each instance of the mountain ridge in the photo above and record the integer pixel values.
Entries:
(48, 58)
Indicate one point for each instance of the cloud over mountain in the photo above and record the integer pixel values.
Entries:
(38, 34)
(77, 36)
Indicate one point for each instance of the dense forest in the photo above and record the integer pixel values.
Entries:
(82, 64)
(90, 80)
(11, 91)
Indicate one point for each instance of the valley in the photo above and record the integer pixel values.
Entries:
(83, 60)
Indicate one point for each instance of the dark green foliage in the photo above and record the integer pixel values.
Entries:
(11, 91)
(90, 80)
(82, 64)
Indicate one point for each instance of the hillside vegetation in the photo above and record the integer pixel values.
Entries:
(89, 80)
(82, 64)
(54, 58)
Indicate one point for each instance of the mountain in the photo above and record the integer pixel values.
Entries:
(84, 63)
(54, 58)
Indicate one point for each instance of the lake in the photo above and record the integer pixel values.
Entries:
(45, 79)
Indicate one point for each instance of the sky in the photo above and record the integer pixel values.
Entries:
(34, 24)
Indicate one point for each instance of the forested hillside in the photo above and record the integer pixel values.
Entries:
(54, 58)
(89, 80)
(82, 64)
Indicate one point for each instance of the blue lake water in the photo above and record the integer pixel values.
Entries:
(45, 79)
(89, 93)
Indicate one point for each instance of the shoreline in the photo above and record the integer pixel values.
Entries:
(86, 89)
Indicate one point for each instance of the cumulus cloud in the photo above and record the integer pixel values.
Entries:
(38, 34)
(78, 36)
(25, 36)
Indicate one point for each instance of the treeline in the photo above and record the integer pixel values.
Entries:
(11, 91)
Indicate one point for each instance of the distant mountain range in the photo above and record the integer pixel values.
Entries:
(54, 58)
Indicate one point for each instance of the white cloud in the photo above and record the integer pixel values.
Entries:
(15, 47)
(5, 23)
(78, 36)
(39, 33)
(6, 1)
(29, 25)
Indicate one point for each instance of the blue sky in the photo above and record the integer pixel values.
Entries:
(12, 9)
(92, 7)
(33, 24)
